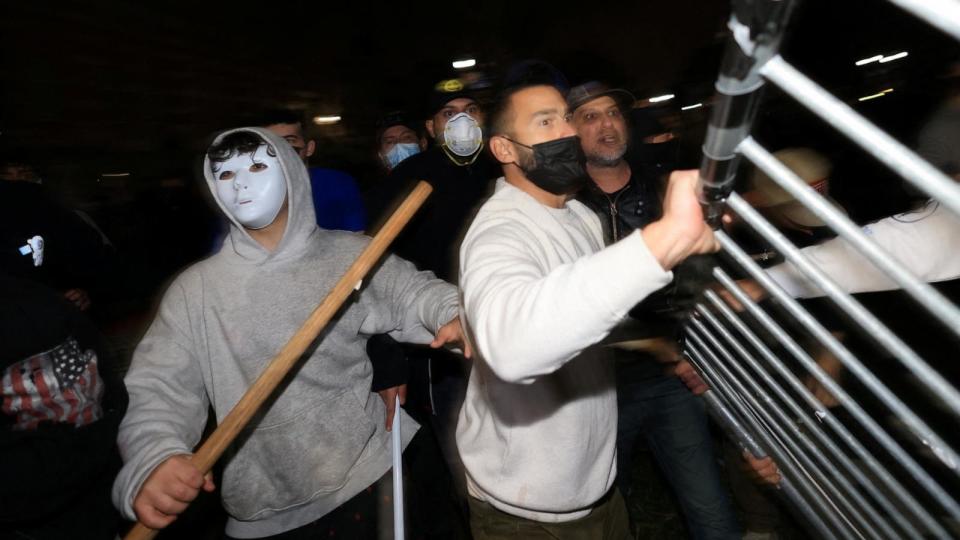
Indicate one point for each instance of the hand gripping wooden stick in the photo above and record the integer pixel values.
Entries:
(280, 365)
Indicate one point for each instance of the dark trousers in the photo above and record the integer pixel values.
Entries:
(673, 423)
(607, 521)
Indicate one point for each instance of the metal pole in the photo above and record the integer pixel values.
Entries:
(842, 397)
(926, 295)
(723, 414)
(874, 328)
(943, 14)
(756, 28)
(811, 421)
(770, 408)
(871, 138)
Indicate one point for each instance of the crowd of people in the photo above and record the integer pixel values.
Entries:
(544, 231)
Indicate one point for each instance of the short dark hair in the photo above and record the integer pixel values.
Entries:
(520, 76)
(396, 118)
(500, 119)
(269, 117)
(237, 143)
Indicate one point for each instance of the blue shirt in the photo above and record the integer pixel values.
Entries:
(336, 200)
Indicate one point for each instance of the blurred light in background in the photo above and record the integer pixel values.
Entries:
(881, 58)
(893, 57)
(869, 60)
(465, 63)
(658, 99)
(878, 94)
(325, 120)
(688, 107)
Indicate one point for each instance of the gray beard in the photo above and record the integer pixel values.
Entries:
(604, 162)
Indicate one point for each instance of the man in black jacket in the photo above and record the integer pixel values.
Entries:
(461, 174)
(655, 405)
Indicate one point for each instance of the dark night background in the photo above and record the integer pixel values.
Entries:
(100, 87)
(113, 102)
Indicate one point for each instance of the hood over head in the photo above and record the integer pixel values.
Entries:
(301, 219)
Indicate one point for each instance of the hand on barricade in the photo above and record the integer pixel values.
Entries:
(763, 470)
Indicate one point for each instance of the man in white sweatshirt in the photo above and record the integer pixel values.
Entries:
(537, 432)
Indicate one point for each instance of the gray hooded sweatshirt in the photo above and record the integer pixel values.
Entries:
(321, 440)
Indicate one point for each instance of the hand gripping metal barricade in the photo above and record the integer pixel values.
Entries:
(849, 478)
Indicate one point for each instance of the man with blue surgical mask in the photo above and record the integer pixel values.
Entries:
(397, 139)
(457, 168)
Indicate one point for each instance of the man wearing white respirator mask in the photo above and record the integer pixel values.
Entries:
(461, 173)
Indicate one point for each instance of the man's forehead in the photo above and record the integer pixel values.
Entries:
(539, 100)
(397, 131)
(459, 103)
(602, 103)
(286, 130)
(242, 158)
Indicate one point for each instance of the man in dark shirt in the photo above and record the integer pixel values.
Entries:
(461, 174)
(431, 240)
(652, 404)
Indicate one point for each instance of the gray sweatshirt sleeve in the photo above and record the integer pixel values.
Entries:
(168, 405)
(408, 304)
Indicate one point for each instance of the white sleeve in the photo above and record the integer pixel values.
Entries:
(927, 245)
(526, 322)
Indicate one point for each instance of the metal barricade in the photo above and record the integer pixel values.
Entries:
(850, 469)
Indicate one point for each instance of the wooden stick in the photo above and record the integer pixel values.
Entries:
(283, 362)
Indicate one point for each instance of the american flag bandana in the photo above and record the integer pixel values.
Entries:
(60, 385)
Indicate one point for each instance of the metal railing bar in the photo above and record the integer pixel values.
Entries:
(871, 138)
(723, 411)
(697, 333)
(817, 452)
(819, 412)
(871, 325)
(942, 14)
(870, 425)
(936, 303)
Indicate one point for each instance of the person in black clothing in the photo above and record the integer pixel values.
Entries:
(48, 244)
(461, 175)
(653, 404)
(62, 401)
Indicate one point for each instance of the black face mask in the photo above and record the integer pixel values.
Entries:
(557, 165)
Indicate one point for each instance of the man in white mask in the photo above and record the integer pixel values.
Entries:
(307, 461)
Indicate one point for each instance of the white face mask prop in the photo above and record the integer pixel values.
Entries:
(251, 187)
(462, 135)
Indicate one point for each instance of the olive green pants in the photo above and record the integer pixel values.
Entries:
(607, 521)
